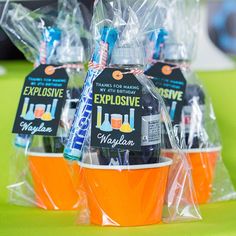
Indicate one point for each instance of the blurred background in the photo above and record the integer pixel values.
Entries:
(222, 25)
(217, 38)
(7, 50)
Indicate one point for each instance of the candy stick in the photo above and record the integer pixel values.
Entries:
(101, 56)
(51, 40)
(157, 42)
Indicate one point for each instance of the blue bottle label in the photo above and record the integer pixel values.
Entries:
(193, 118)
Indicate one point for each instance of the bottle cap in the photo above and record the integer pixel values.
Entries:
(128, 56)
(175, 51)
(70, 54)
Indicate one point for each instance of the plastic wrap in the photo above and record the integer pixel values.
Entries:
(50, 35)
(197, 131)
(120, 186)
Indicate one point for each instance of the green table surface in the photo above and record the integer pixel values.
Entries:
(218, 218)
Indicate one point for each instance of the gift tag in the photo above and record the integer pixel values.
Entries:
(41, 101)
(171, 84)
(116, 111)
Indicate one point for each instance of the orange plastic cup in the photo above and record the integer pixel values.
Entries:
(54, 181)
(126, 196)
(203, 164)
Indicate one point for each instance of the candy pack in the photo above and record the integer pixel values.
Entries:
(55, 39)
(119, 128)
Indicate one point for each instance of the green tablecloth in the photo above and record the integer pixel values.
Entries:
(218, 218)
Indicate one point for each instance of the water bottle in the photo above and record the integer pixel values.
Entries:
(191, 127)
(132, 58)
